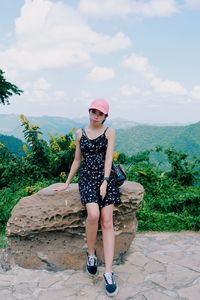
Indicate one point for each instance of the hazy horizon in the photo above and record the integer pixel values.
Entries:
(110, 119)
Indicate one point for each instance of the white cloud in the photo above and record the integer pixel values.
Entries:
(40, 92)
(159, 8)
(106, 44)
(129, 90)
(195, 93)
(60, 94)
(194, 4)
(52, 34)
(85, 94)
(105, 8)
(100, 74)
(168, 87)
(41, 84)
(109, 8)
(140, 64)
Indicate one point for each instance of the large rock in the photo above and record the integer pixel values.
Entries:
(47, 229)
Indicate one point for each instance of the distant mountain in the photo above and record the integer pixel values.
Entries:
(131, 136)
(10, 124)
(138, 138)
(13, 144)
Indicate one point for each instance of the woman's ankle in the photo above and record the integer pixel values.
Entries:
(91, 251)
(108, 270)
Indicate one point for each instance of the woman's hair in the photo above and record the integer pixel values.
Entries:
(104, 119)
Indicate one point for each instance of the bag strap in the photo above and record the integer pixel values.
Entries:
(105, 130)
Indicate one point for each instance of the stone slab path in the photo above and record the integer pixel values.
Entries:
(159, 266)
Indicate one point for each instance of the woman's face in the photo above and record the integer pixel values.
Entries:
(96, 116)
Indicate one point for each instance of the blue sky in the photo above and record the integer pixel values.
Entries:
(142, 56)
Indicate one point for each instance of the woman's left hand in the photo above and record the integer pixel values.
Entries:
(103, 189)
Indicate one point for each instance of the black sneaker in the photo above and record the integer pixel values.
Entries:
(110, 284)
(91, 266)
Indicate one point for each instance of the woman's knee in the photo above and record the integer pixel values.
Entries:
(92, 212)
(93, 217)
(107, 217)
(107, 222)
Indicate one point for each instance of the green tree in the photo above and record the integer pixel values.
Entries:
(38, 158)
(43, 158)
(182, 169)
(7, 89)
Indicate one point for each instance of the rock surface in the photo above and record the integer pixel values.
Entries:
(47, 229)
(159, 266)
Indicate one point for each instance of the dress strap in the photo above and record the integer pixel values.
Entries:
(83, 132)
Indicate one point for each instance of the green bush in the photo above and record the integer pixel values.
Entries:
(2, 239)
(172, 195)
(154, 221)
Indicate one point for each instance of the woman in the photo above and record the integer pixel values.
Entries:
(98, 190)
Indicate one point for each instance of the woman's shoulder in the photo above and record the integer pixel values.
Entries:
(110, 131)
(79, 133)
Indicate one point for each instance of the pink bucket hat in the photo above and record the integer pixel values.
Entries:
(100, 104)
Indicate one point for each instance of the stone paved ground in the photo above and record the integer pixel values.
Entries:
(159, 266)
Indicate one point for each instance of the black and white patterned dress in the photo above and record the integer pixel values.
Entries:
(92, 172)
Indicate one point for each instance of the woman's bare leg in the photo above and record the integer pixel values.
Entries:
(92, 226)
(108, 236)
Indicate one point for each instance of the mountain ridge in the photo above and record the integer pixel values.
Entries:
(131, 137)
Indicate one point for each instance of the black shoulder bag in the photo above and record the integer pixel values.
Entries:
(119, 174)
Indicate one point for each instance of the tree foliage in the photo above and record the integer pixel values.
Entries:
(172, 191)
(182, 169)
(42, 160)
(7, 89)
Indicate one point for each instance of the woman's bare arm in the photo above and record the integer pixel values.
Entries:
(109, 152)
(75, 165)
(77, 159)
(108, 159)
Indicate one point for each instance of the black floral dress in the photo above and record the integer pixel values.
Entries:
(92, 172)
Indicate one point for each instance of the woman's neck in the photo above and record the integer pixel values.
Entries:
(95, 127)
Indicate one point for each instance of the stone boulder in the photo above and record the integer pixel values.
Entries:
(47, 229)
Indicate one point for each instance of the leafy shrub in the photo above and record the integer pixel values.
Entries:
(154, 221)
(172, 195)
(182, 169)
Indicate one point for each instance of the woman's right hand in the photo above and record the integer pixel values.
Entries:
(62, 187)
